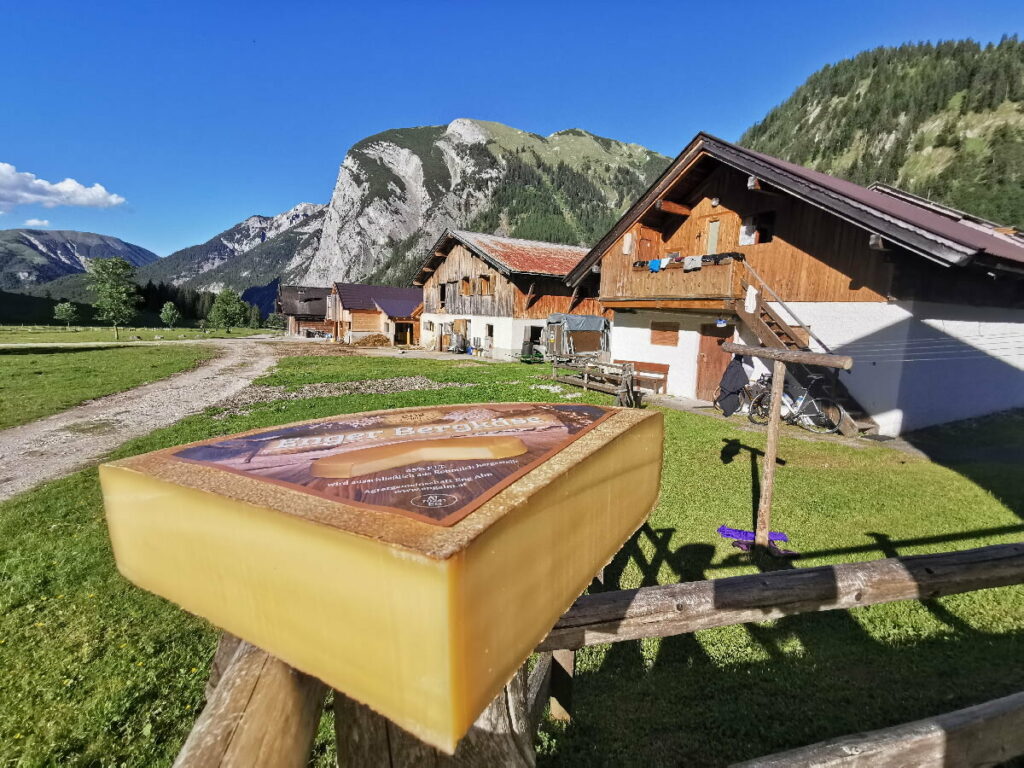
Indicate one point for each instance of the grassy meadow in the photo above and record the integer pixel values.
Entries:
(52, 334)
(38, 382)
(98, 672)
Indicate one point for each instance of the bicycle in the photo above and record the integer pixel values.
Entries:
(821, 415)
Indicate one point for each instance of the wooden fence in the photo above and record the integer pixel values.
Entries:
(260, 712)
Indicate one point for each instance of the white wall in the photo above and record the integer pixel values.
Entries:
(508, 332)
(631, 340)
(917, 364)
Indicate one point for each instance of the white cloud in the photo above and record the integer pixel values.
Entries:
(21, 188)
(37, 222)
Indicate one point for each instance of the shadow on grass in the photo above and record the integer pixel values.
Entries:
(743, 691)
(59, 350)
(988, 451)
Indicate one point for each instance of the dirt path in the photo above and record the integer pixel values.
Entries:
(65, 442)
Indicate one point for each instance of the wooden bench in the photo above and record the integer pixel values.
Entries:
(657, 380)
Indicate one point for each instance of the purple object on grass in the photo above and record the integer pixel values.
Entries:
(740, 535)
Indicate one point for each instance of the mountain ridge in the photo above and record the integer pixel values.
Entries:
(34, 257)
(944, 121)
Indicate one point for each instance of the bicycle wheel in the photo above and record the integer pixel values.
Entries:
(760, 409)
(821, 415)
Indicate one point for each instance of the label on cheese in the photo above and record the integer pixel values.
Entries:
(435, 464)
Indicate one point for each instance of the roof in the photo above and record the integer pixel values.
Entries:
(936, 232)
(403, 307)
(509, 255)
(393, 300)
(302, 300)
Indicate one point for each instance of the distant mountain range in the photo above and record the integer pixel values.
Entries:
(32, 257)
(944, 121)
(395, 194)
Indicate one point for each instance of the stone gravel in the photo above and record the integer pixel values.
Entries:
(240, 403)
(58, 445)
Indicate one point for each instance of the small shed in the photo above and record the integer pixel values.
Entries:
(305, 308)
(574, 335)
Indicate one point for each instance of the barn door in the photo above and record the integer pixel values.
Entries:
(711, 360)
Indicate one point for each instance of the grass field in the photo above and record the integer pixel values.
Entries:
(50, 334)
(36, 383)
(97, 672)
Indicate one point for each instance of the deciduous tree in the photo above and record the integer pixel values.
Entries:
(112, 282)
(228, 310)
(65, 312)
(170, 315)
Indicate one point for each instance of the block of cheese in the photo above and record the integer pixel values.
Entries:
(410, 558)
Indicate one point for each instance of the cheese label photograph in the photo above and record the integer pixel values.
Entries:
(433, 464)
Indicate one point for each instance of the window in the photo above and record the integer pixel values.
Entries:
(484, 285)
(428, 326)
(758, 229)
(665, 334)
(467, 286)
(489, 333)
(711, 246)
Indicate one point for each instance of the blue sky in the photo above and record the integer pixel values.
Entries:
(200, 114)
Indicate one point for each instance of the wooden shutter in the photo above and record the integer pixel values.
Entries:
(665, 334)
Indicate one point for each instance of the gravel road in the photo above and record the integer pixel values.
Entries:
(65, 442)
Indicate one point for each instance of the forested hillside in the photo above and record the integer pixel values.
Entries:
(945, 121)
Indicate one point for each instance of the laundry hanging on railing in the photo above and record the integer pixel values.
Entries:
(687, 263)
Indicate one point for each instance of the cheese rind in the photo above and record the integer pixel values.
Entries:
(423, 624)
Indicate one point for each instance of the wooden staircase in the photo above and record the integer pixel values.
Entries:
(772, 331)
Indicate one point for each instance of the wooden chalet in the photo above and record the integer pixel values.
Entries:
(355, 310)
(305, 308)
(730, 243)
(496, 293)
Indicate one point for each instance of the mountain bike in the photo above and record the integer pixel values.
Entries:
(822, 415)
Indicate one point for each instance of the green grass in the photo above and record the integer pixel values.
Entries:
(50, 334)
(97, 672)
(36, 382)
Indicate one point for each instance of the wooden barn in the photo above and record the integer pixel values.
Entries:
(730, 243)
(355, 310)
(497, 292)
(305, 309)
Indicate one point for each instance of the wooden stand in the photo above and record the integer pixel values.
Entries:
(260, 713)
(779, 357)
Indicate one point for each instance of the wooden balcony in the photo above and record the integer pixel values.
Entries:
(713, 286)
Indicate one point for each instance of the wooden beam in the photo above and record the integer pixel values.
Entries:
(501, 736)
(676, 609)
(676, 209)
(771, 451)
(791, 356)
(983, 735)
(563, 670)
(529, 296)
(261, 714)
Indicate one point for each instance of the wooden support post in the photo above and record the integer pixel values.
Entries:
(260, 714)
(771, 452)
(984, 735)
(563, 669)
(501, 736)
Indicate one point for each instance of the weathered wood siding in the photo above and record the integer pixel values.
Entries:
(813, 256)
(509, 297)
(462, 263)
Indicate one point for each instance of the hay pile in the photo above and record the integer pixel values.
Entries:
(373, 340)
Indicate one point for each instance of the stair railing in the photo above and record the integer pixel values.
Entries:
(775, 297)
